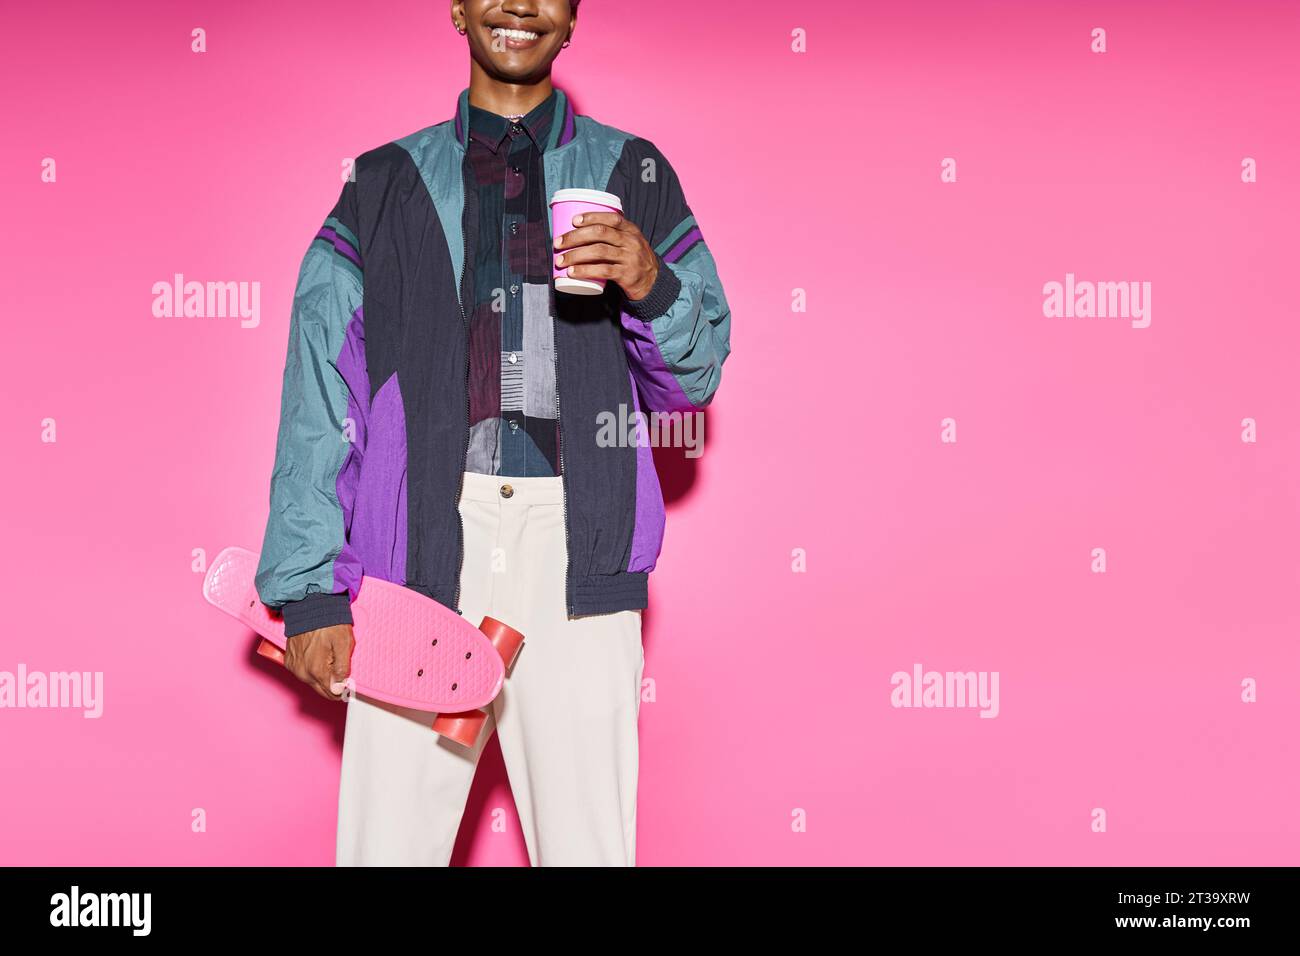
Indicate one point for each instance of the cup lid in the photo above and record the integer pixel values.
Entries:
(587, 195)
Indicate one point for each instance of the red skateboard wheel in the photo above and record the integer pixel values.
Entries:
(463, 728)
(504, 638)
(268, 650)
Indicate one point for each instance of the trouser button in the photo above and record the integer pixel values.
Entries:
(507, 491)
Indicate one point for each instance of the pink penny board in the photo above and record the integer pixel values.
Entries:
(410, 650)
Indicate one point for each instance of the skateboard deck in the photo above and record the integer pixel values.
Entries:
(409, 649)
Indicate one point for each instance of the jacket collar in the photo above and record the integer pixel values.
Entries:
(562, 125)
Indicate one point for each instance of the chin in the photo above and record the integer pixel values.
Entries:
(515, 70)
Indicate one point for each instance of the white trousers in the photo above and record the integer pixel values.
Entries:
(566, 719)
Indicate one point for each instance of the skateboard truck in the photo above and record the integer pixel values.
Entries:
(465, 727)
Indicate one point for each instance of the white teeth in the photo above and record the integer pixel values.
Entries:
(514, 34)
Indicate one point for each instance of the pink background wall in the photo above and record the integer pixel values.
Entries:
(1119, 690)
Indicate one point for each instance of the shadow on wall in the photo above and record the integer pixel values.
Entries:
(311, 706)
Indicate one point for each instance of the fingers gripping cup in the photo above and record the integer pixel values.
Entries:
(565, 204)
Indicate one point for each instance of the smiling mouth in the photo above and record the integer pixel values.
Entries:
(516, 39)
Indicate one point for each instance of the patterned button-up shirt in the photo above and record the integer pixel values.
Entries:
(514, 429)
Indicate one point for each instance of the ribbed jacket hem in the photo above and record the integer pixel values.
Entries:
(609, 593)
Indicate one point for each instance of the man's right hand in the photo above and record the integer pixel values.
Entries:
(321, 658)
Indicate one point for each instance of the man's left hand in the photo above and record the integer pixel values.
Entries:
(604, 245)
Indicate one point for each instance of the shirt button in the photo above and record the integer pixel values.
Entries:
(514, 357)
(514, 425)
(515, 170)
(514, 228)
(507, 491)
(514, 289)
(515, 129)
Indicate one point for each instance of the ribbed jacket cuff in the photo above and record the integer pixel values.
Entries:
(316, 611)
(661, 296)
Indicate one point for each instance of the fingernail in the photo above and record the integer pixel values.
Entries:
(557, 241)
(577, 220)
(559, 260)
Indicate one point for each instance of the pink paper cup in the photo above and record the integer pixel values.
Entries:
(565, 204)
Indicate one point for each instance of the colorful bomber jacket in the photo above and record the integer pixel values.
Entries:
(375, 403)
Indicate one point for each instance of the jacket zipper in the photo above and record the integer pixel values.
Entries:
(564, 474)
(559, 428)
(464, 318)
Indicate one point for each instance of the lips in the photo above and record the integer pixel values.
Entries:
(516, 39)
(515, 34)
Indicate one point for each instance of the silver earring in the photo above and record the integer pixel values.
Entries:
(564, 44)
(460, 30)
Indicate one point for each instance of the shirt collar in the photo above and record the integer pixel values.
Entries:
(550, 123)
